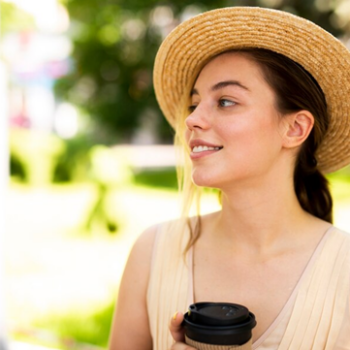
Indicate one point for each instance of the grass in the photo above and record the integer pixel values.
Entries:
(72, 330)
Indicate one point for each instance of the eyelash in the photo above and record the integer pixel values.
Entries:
(232, 103)
(191, 108)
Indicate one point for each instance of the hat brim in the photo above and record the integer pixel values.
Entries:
(190, 45)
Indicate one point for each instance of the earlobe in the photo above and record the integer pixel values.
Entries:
(299, 126)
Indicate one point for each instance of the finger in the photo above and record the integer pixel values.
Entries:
(175, 327)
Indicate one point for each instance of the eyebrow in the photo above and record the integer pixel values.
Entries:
(221, 85)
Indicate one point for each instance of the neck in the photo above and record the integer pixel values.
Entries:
(261, 218)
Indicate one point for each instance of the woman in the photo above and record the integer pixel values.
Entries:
(259, 99)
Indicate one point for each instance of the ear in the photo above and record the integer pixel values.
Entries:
(298, 126)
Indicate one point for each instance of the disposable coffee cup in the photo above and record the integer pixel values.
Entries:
(219, 326)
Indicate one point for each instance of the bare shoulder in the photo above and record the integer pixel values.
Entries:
(130, 328)
(141, 251)
(138, 266)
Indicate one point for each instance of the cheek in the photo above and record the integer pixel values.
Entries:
(264, 145)
(253, 139)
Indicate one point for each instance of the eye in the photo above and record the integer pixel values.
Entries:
(192, 108)
(226, 103)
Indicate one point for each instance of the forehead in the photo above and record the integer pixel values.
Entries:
(230, 65)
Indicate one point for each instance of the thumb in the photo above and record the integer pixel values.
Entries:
(175, 327)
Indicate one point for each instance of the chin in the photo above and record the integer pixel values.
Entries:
(204, 181)
(218, 180)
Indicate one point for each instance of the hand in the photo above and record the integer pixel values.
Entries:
(177, 333)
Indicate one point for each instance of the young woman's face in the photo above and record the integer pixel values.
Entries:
(234, 129)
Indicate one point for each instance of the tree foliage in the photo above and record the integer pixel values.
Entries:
(13, 19)
(115, 43)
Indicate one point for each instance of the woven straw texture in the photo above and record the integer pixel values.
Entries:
(203, 346)
(190, 45)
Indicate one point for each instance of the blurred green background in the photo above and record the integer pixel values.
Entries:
(90, 157)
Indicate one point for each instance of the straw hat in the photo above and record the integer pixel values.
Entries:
(190, 45)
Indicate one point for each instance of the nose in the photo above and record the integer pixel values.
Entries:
(198, 119)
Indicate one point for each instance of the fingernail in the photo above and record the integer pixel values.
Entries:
(175, 315)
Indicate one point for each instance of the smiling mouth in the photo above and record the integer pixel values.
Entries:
(198, 149)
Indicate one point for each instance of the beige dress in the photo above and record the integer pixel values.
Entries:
(316, 316)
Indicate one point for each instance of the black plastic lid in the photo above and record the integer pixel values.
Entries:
(217, 314)
(219, 323)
